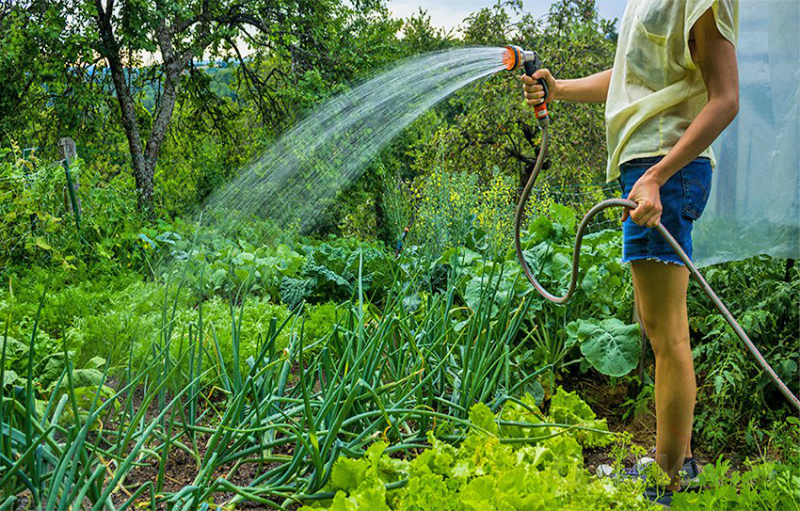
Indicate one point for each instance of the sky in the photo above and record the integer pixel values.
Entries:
(450, 13)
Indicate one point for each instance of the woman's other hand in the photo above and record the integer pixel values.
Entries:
(534, 92)
(646, 193)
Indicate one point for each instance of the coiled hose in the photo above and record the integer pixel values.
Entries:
(576, 256)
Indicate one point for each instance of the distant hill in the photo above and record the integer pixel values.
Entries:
(222, 82)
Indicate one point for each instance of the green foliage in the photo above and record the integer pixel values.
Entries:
(116, 319)
(399, 209)
(492, 25)
(603, 292)
(36, 43)
(450, 323)
(604, 289)
(264, 267)
(455, 209)
(37, 228)
(494, 129)
(420, 35)
(287, 57)
(483, 472)
(568, 408)
(409, 351)
(762, 293)
(446, 210)
(15, 354)
(763, 486)
(32, 210)
(363, 372)
(331, 271)
(45, 373)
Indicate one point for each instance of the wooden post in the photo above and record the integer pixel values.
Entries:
(69, 153)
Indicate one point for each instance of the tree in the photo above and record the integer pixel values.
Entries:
(123, 52)
(497, 130)
(136, 75)
(419, 34)
(492, 25)
(49, 80)
(179, 33)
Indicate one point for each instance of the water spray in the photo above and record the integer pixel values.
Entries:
(514, 58)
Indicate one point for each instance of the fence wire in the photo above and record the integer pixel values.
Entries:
(580, 197)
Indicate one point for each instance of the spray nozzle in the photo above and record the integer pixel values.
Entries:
(514, 58)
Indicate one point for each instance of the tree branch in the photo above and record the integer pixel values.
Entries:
(172, 75)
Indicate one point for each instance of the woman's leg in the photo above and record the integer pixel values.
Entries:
(688, 453)
(661, 299)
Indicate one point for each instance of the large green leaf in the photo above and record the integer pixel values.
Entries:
(88, 378)
(293, 291)
(475, 291)
(564, 216)
(15, 350)
(569, 408)
(10, 378)
(84, 397)
(50, 367)
(611, 346)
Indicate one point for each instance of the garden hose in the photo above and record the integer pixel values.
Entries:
(515, 57)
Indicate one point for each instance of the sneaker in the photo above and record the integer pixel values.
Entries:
(689, 472)
(658, 495)
(689, 475)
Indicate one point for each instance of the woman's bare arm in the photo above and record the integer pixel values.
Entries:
(590, 89)
(716, 58)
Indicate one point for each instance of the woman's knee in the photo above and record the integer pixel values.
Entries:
(670, 344)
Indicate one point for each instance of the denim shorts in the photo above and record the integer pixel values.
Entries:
(683, 198)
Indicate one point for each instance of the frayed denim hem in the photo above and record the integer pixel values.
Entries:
(665, 260)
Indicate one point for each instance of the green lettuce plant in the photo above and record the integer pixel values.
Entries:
(490, 469)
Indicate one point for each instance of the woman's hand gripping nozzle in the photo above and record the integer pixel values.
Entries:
(514, 58)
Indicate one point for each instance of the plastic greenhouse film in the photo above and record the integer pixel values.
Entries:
(754, 203)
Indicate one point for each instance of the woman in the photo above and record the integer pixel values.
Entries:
(672, 90)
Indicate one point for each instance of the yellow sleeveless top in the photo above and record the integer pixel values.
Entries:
(656, 89)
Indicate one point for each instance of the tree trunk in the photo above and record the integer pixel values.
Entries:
(141, 173)
(173, 67)
(110, 50)
(144, 156)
